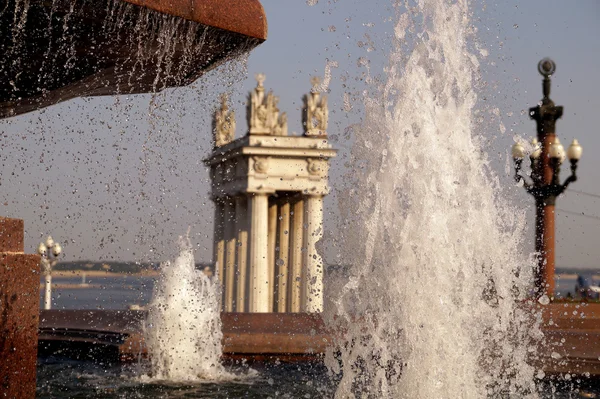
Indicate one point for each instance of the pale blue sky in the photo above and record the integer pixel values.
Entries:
(123, 176)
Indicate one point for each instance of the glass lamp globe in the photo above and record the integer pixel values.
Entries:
(518, 152)
(49, 242)
(56, 249)
(574, 151)
(557, 151)
(42, 249)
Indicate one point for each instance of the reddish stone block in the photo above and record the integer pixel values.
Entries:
(19, 315)
(11, 235)
(572, 335)
(246, 17)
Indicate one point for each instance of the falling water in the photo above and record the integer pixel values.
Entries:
(432, 308)
(183, 330)
(164, 49)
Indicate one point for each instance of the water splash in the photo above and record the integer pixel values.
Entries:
(183, 330)
(436, 273)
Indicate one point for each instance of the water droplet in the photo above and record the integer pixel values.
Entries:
(540, 375)
(544, 300)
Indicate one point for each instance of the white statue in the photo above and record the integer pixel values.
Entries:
(263, 113)
(281, 128)
(316, 114)
(224, 124)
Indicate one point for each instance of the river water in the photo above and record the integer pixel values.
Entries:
(120, 292)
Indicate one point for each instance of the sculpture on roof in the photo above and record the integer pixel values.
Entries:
(316, 113)
(263, 113)
(224, 123)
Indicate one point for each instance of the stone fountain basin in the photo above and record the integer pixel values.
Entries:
(117, 335)
(62, 49)
(571, 343)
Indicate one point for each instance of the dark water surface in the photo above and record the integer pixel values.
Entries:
(60, 378)
(63, 378)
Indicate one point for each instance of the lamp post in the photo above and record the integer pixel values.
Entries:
(49, 252)
(546, 157)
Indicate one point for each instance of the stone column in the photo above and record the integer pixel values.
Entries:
(296, 245)
(258, 205)
(312, 295)
(282, 262)
(272, 241)
(241, 214)
(219, 243)
(19, 308)
(230, 253)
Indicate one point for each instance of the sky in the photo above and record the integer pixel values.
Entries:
(119, 178)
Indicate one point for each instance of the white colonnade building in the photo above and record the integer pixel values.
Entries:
(268, 190)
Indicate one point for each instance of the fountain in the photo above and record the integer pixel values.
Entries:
(71, 48)
(436, 301)
(183, 327)
(436, 280)
(59, 50)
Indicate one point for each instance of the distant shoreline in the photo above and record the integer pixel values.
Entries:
(81, 286)
(156, 273)
(573, 276)
(103, 273)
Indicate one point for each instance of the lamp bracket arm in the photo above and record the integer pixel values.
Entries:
(570, 179)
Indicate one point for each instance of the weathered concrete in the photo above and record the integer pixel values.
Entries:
(19, 311)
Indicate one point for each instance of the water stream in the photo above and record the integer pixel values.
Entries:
(437, 276)
(183, 330)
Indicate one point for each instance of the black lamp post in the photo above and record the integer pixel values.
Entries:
(546, 157)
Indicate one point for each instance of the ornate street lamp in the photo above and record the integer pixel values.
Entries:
(546, 156)
(49, 252)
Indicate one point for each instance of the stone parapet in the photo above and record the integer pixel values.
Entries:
(19, 313)
(11, 235)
